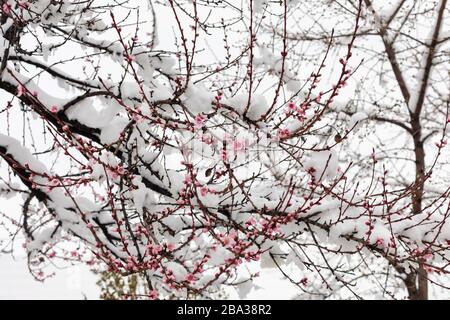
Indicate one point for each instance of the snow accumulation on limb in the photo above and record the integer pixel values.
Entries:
(68, 214)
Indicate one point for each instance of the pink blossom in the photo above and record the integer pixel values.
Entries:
(130, 57)
(204, 191)
(138, 118)
(239, 145)
(199, 121)
(54, 182)
(379, 242)
(228, 239)
(283, 133)
(219, 96)
(155, 250)
(120, 170)
(153, 295)
(114, 175)
(441, 144)
(429, 269)
(187, 179)
(428, 256)
(21, 90)
(6, 8)
(190, 278)
(224, 155)
(251, 222)
(304, 281)
(23, 4)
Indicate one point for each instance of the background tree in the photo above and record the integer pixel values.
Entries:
(401, 96)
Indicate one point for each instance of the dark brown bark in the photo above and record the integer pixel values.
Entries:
(418, 288)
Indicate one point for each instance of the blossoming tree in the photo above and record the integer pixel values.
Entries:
(194, 142)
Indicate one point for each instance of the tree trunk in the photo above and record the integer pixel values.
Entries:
(417, 281)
